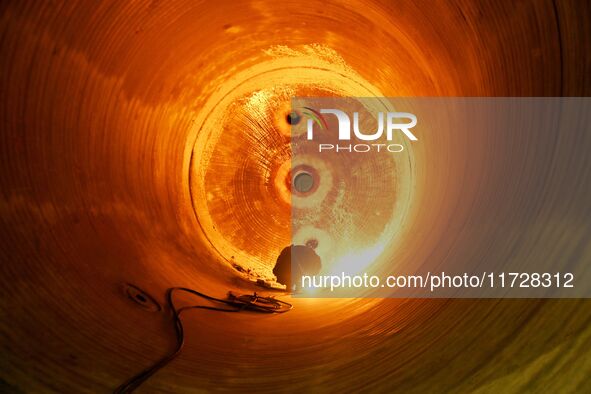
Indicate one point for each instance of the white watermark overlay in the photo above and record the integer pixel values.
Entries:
(434, 281)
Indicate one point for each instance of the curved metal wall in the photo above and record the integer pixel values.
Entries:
(101, 106)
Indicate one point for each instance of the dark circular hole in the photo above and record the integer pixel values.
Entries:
(141, 298)
(303, 182)
(293, 118)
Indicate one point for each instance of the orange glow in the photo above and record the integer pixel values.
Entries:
(146, 143)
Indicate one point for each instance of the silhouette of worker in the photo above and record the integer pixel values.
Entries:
(305, 262)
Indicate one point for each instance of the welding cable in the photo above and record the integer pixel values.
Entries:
(234, 304)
